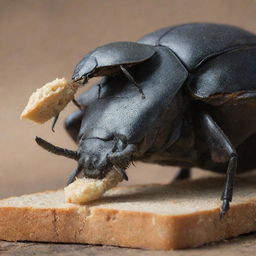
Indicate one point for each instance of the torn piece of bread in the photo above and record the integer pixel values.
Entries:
(181, 215)
(84, 190)
(47, 101)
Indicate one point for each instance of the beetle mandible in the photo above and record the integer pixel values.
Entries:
(182, 96)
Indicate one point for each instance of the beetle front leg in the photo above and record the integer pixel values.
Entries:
(74, 174)
(120, 155)
(57, 116)
(99, 90)
(77, 104)
(221, 151)
(122, 159)
(54, 122)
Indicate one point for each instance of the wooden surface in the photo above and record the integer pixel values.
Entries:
(243, 245)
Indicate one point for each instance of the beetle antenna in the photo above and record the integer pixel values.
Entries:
(130, 77)
(56, 150)
(54, 122)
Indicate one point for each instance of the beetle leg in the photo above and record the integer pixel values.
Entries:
(121, 166)
(122, 172)
(57, 116)
(84, 80)
(132, 161)
(127, 152)
(228, 188)
(121, 160)
(221, 151)
(81, 80)
(77, 104)
(74, 174)
(99, 90)
(129, 76)
(184, 173)
(54, 122)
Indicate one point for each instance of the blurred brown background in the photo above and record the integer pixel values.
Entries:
(41, 40)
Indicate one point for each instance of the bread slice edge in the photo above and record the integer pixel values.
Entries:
(137, 229)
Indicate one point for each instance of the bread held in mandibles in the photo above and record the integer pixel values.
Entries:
(84, 190)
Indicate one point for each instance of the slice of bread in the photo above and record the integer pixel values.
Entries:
(181, 215)
(47, 101)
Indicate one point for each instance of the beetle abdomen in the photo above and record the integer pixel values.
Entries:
(194, 43)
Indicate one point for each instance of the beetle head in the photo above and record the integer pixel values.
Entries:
(93, 160)
(96, 156)
(100, 151)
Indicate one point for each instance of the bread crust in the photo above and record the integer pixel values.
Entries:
(104, 223)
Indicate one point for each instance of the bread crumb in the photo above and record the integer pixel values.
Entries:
(47, 101)
(85, 190)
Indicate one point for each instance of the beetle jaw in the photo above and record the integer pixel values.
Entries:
(98, 157)
(100, 170)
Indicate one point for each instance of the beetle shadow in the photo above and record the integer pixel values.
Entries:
(199, 189)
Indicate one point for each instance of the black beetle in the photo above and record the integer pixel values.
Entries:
(195, 105)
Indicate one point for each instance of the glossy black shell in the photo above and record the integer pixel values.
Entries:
(220, 65)
(197, 42)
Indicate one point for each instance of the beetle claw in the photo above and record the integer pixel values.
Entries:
(81, 80)
(224, 208)
(74, 174)
(122, 172)
(54, 122)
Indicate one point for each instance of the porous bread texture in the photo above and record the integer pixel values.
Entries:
(181, 215)
(47, 101)
(84, 190)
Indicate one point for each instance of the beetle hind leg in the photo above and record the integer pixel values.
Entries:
(221, 151)
(183, 174)
(226, 197)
